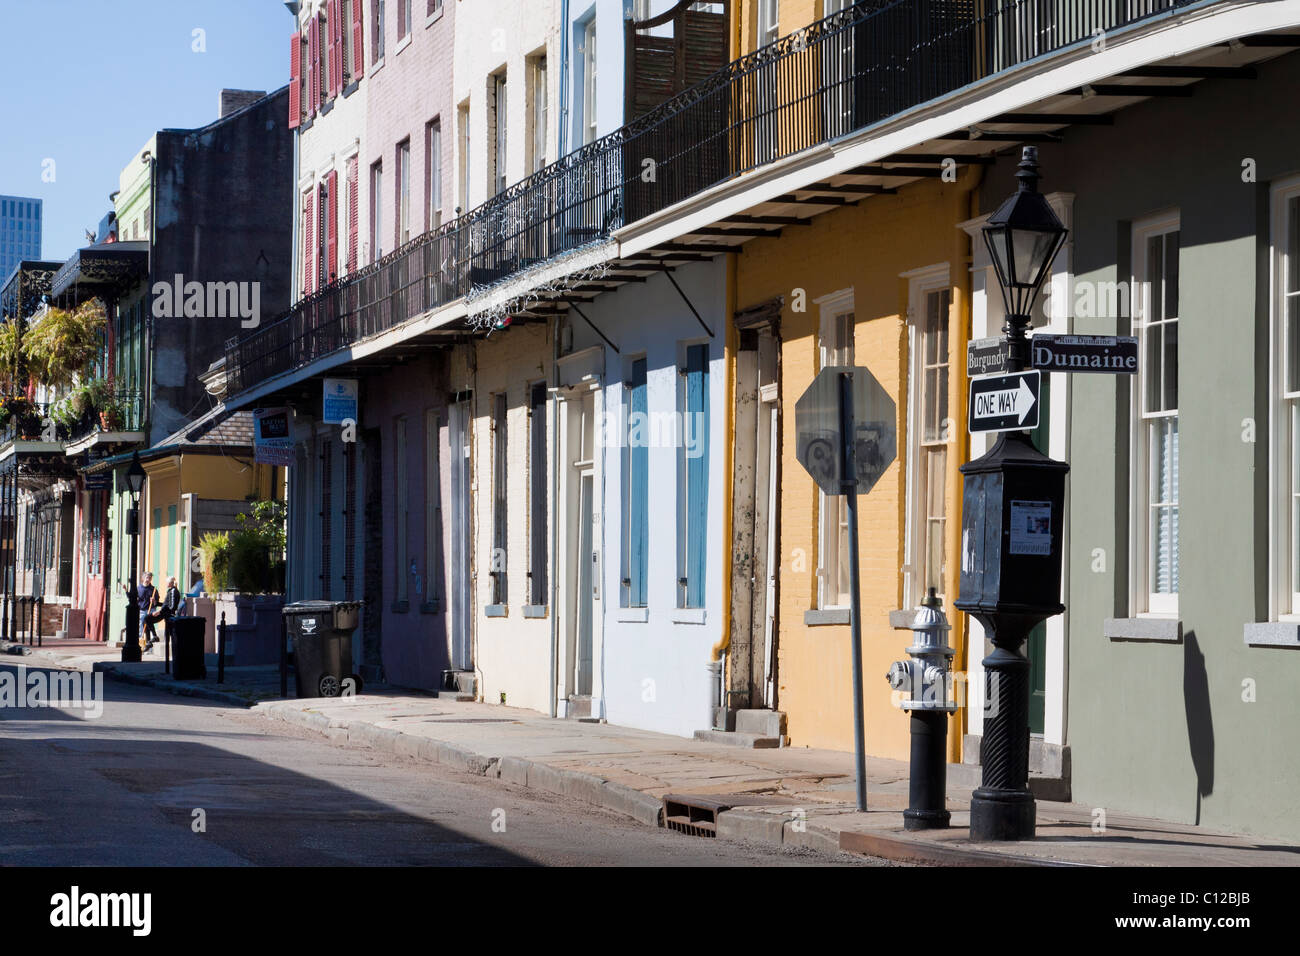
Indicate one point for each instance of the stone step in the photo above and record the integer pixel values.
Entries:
(762, 723)
(735, 739)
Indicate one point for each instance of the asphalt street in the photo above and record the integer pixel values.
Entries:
(162, 780)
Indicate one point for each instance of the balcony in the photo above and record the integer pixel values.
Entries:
(841, 75)
(122, 422)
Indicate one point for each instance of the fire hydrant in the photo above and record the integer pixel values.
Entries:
(925, 682)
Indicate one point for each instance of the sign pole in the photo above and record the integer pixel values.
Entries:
(850, 487)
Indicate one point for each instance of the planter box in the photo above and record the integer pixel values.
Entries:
(252, 625)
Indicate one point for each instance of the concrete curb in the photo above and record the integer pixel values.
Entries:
(171, 686)
(532, 774)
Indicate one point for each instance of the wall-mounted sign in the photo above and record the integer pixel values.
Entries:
(987, 356)
(99, 481)
(272, 443)
(340, 401)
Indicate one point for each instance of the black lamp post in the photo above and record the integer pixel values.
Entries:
(1013, 503)
(135, 484)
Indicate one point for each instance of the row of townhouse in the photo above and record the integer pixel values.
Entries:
(581, 260)
(195, 247)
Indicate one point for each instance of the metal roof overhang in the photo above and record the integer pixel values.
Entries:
(107, 269)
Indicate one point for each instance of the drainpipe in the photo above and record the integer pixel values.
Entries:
(555, 511)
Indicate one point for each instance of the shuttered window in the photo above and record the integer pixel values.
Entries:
(330, 270)
(500, 498)
(295, 81)
(354, 211)
(358, 66)
(308, 242)
(694, 492)
(1155, 306)
(537, 494)
(636, 487)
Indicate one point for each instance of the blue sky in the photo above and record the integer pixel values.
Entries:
(87, 82)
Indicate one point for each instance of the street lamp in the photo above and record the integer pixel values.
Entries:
(1023, 238)
(1013, 504)
(135, 484)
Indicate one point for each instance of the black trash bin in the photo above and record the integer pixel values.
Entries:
(321, 632)
(187, 648)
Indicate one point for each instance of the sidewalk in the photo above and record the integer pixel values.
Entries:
(631, 771)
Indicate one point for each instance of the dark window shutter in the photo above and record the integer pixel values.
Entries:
(358, 48)
(353, 210)
(295, 80)
(332, 226)
(313, 65)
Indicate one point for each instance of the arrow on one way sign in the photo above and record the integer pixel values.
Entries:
(1004, 402)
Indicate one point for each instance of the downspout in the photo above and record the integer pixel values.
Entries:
(555, 512)
(965, 206)
(561, 142)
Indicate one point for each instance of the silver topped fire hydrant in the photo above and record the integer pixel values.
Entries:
(925, 681)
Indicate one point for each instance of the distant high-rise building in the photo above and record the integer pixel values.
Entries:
(20, 232)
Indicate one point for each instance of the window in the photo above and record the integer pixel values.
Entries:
(537, 113)
(1285, 465)
(323, 61)
(462, 123)
(693, 477)
(589, 81)
(403, 18)
(636, 487)
(1154, 491)
(928, 433)
(537, 494)
(403, 193)
(499, 116)
(346, 38)
(433, 174)
(768, 28)
(500, 498)
(434, 7)
(376, 30)
(401, 509)
(835, 348)
(376, 211)
(353, 207)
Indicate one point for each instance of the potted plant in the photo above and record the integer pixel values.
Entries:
(111, 416)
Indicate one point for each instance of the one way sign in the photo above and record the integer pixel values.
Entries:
(1004, 403)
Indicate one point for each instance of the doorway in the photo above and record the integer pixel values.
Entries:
(462, 544)
(580, 528)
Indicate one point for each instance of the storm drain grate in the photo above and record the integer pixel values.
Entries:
(696, 814)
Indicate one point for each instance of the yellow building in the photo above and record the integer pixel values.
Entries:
(879, 279)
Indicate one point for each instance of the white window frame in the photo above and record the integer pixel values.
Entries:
(376, 211)
(1144, 602)
(538, 110)
(433, 183)
(1284, 508)
(769, 21)
(500, 131)
(922, 284)
(403, 194)
(589, 81)
(831, 509)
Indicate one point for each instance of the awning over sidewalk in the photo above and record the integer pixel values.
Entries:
(106, 269)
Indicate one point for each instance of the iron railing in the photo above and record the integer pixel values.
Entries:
(839, 75)
(129, 416)
(23, 421)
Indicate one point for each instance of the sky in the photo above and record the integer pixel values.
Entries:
(87, 82)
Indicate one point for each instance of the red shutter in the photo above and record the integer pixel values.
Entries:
(308, 243)
(358, 50)
(332, 225)
(295, 80)
(329, 49)
(313, 74)
(353, 210)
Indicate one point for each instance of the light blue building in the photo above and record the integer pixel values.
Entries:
(20, 232)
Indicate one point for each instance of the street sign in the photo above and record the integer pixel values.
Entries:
(1004, 403)
(819, 437)
(1116, 354)
(986, 356)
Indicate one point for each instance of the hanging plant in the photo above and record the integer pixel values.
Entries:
(64, 343)
(10, 356)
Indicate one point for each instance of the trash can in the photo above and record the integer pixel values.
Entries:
(187, 648)
(321, 632)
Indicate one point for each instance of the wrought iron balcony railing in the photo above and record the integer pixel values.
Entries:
(127, 413)
(842, 74)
